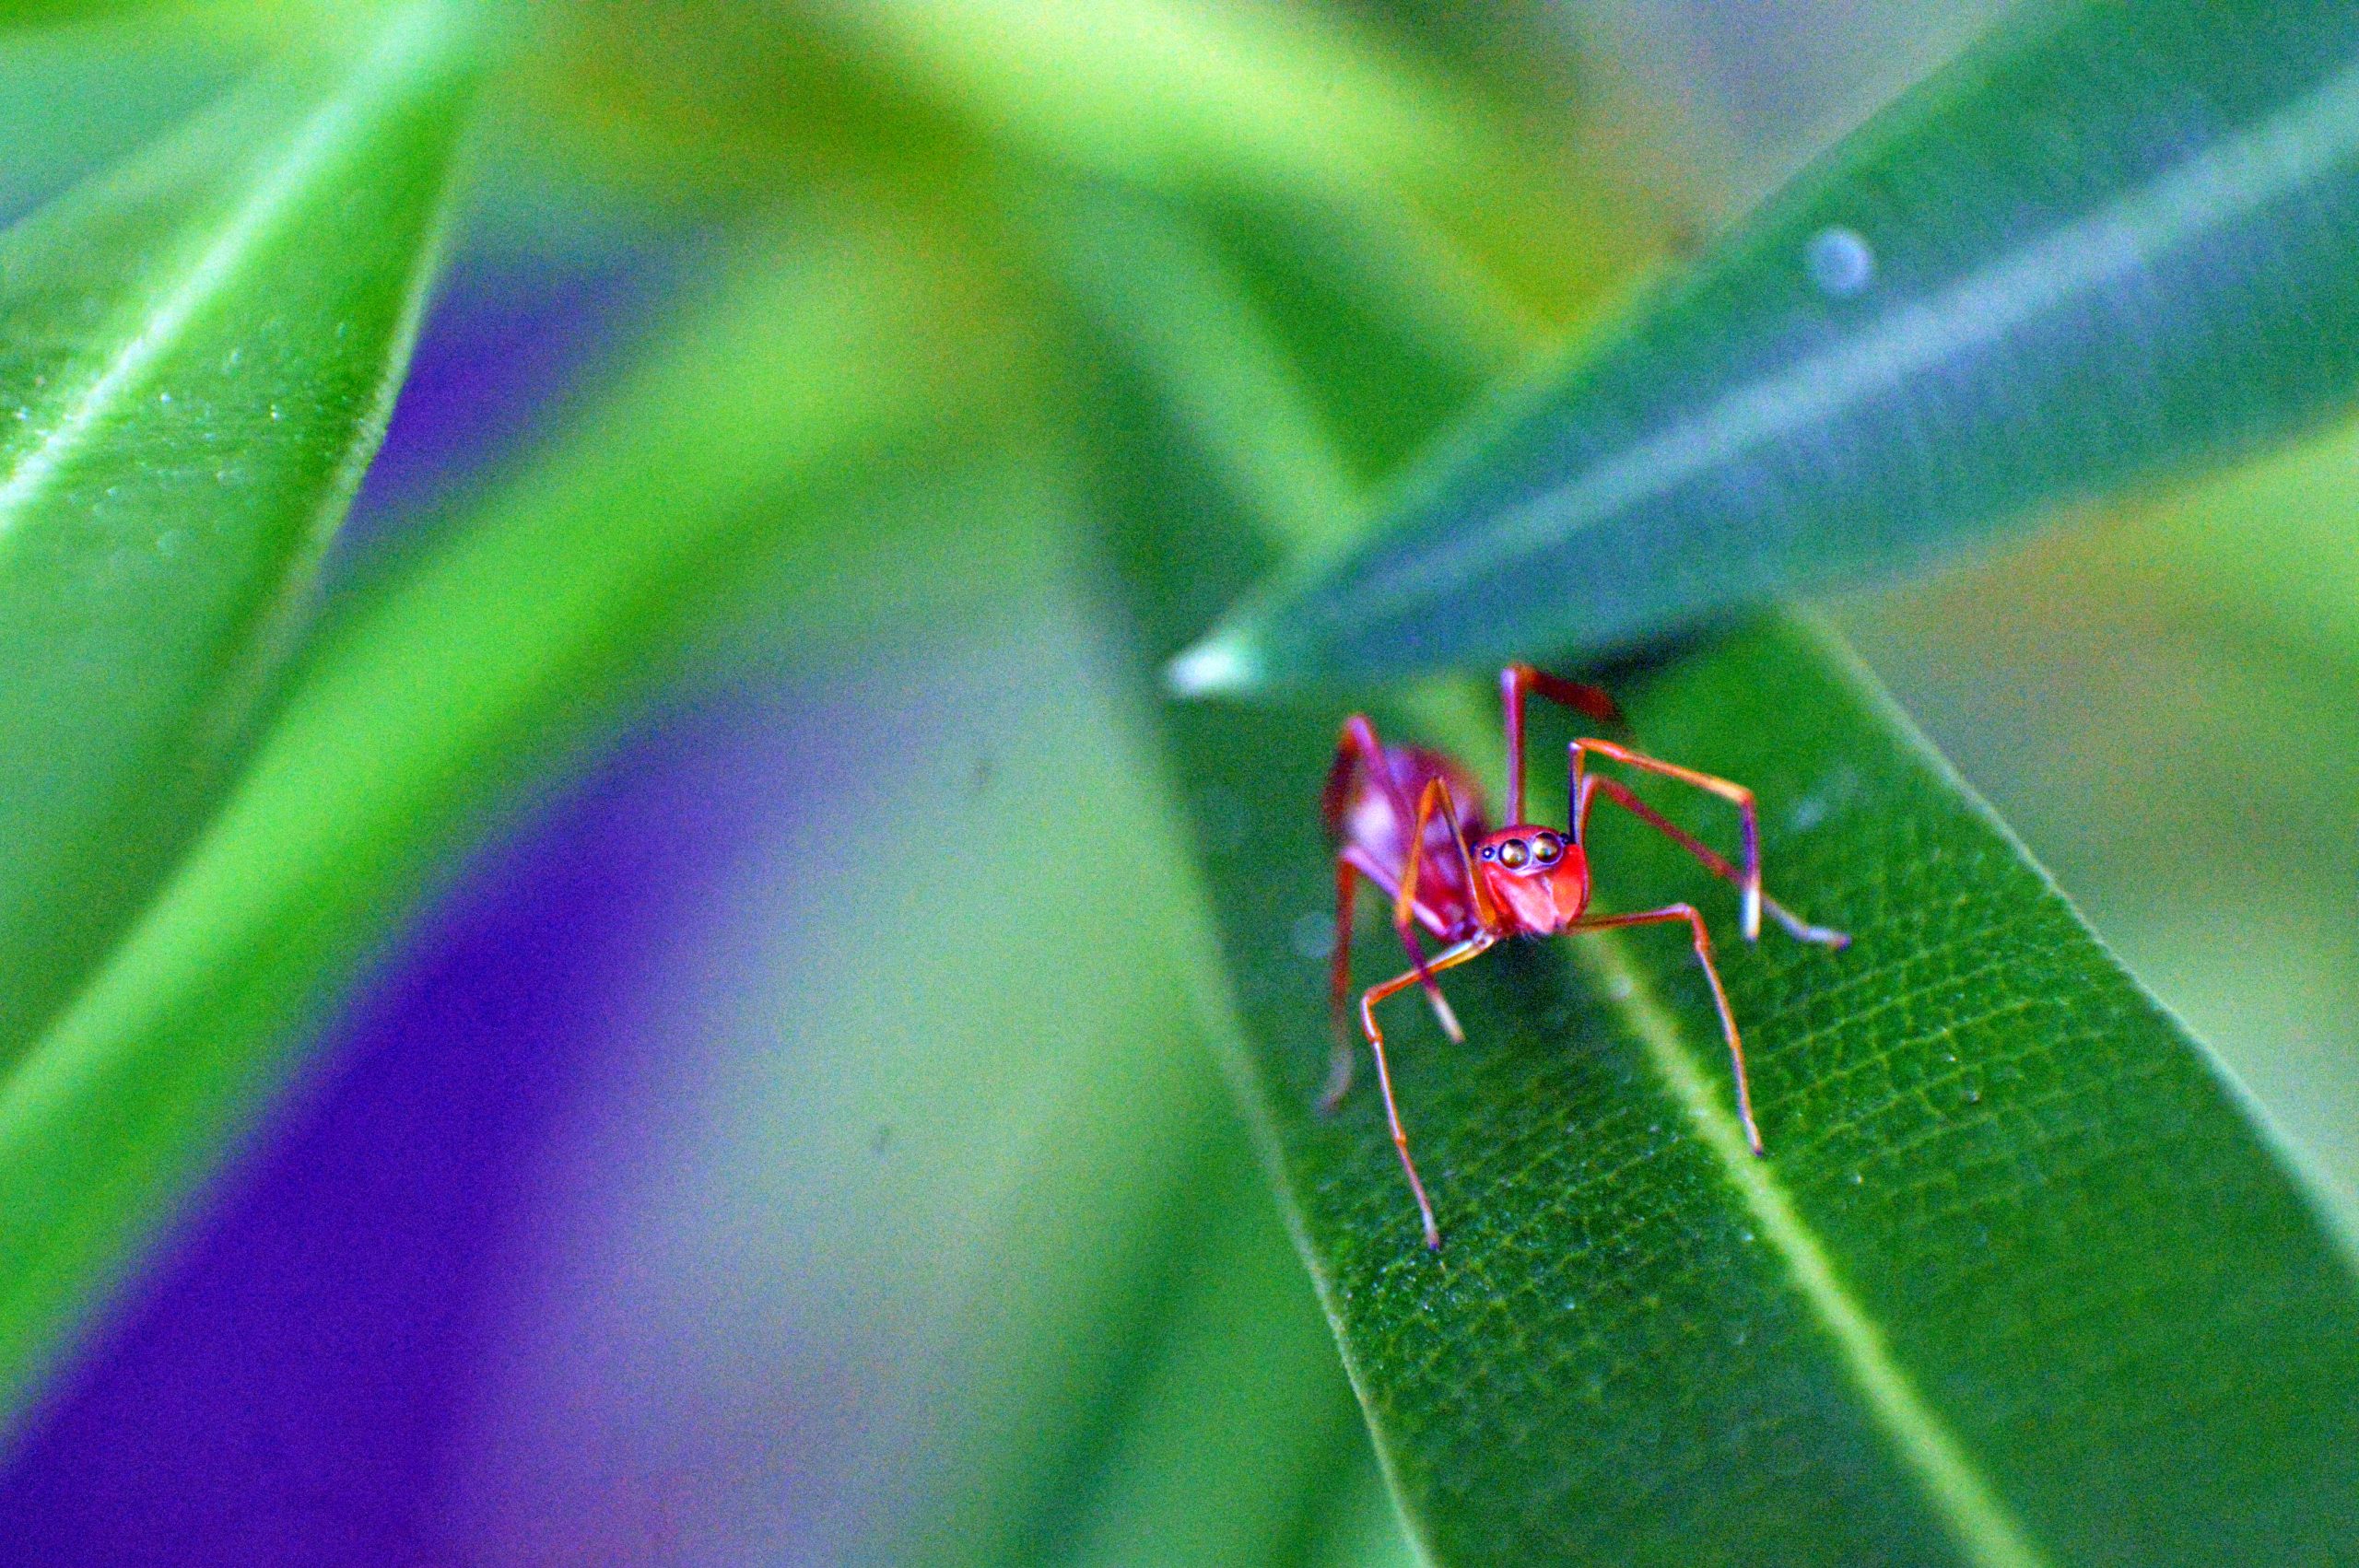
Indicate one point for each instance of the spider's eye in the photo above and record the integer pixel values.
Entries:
(1490, 852)
(1546, 847)
(1512, 853)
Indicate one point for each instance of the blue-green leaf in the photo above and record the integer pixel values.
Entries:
(2112, 243)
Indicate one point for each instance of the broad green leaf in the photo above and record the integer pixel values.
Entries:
(2109, 244)
(425, 701)
(2159, 704)
(2020, 1282)
(197, 355)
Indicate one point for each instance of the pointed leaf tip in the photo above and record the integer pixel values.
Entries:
(1225, 661)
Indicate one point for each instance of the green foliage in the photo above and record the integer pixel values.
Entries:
(2018, 1272)
(1983, 1303)
(198, 354)
(479, 657)
(1084, 316)
(1942, 326)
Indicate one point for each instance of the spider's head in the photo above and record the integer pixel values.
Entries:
(1536, 878)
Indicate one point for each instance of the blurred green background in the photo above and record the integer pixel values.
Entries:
(889, 1207)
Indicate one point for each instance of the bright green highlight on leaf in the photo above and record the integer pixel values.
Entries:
(1942, 327)
(197, 355)
(423, 704)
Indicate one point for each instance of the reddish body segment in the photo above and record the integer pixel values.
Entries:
(1411, 821)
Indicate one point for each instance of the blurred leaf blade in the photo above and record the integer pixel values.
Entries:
(2020, 1283)
(425, 702)
(2103, 247)
(199, 354)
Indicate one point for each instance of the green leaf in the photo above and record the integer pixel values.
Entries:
(2108, 245)
(197, 355)
(2019, 1280)
(424, 702)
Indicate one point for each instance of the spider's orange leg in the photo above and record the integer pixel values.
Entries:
(1748, 877)
(1667, 915)
(1449, 957)
(1436, 799)
(1515, 682)
(1614, 790)
(1358, 749)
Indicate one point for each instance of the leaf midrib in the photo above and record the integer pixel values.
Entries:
(1985, 1528)
(325, 137)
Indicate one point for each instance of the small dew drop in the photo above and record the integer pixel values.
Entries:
(274, 414)
(1313, 936)
(165, 398)
(1620, 989)
(231, 362)
(23, 415)
(1857, 1178)
(1840, 261)
(1973, 1097)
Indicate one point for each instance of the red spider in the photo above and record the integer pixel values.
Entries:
(1471, 889)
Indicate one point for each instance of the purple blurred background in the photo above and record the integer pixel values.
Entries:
(288, 1385)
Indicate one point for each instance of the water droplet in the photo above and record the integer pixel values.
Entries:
(1973, 1096)
(164, 397)
(231, 362)
(1857, 1178)
(1313, 936)
(274, 414)
(1840, 261)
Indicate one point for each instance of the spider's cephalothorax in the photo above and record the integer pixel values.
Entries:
(1410, 819)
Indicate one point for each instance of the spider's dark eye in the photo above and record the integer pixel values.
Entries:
(1546, 847)
(1513, 853)
(1490, 852)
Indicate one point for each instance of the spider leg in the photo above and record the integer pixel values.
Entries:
(1515, 682)
(1449, 957)
(1593, 785)
(1670, 914)
(1436, 799)
(1339, 987)
(1357, 750)
(1748, 878)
